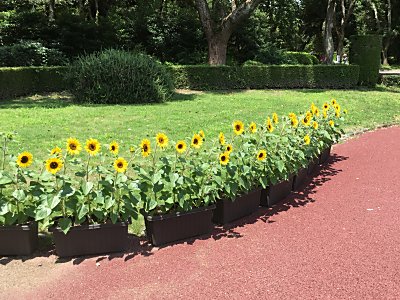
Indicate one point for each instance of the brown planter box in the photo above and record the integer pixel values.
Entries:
(230, 210)
(276, 192)
(18, 239)
(299, 179)
(91, 239)
(173, 227)
(324, 156)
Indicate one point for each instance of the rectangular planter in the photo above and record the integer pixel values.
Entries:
(173, 227)
(230, 210)
(312, 166)
(299, 179)
(91, 239)
(18, 239)
(276, 192)
(323, 157)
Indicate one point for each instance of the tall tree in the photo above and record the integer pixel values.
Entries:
(219, 22)
(327, 29)
(347, 7)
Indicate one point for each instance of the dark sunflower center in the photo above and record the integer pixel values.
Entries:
(229, 148)
(237, 127)
(92, 147)
(260, 155)
(120, 165)
(180, 146)
(113, 148)
(24, 159)
(195, 141)
(161, 140)
(53, 165)
(145, 148)
(72, 146)
(223, 158)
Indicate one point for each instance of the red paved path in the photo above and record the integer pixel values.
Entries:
(339, 239)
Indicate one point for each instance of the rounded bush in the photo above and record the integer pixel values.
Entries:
(115, 76)
(300, 58)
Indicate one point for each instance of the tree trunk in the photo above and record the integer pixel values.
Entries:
(52, 4)
(217, 48)
(96, 5)
(341, 30)
(385, 49)
(218, 33)
(340, 47)
(328, 25)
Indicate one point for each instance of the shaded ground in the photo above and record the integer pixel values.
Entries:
(338, 239)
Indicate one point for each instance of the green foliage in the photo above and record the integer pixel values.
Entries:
(115, 76)
(262, 77)
(30, 54)
(365, 51)
(390, 80)
(29, 80)
(300, 58)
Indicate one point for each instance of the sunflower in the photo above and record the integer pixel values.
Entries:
(294, 122)
(224, 158)
(315, 125)
(337, 113)
(229, 149)
(145, 147)
(114, 148)
(292, 116)
(261, 155)
(73, 146)
(307, 139)
(202, 134)
(275, 118)
(56, 151)
(238, 127)
(316, 112)
(131, 149)
(306, 120)
(221, 138)
(253, 127)
(270, 127)
(25, 159)
(326, 106)
(325, 114)
(92, 147)
(180, 147)
(197, 141)
(162, 140)
(120, 165)
(334, 102)
(331, 123)
(53, 165)
(345, 111)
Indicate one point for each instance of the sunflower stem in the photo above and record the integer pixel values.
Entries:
(87, 169)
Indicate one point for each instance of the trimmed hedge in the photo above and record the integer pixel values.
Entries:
(365, 51)
(390, 80)
(29, 80)
(261, 77)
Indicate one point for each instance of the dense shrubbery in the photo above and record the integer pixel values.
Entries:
(390, 80)
(277, 57)
(365, 51)
(261, 77)
(30, 54)
(115, 76)
(29, 80)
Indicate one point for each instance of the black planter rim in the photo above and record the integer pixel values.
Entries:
(177, 214)
(19, 227)
(260, 188)
(89, 226)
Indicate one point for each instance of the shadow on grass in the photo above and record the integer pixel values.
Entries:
(140, 245)
(64, 99)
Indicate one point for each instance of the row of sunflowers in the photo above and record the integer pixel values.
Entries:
(83, 184)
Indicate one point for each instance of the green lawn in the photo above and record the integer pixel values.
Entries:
(46, 121)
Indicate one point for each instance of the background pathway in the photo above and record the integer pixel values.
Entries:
(338, 239)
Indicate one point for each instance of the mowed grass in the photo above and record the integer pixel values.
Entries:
(45, 121)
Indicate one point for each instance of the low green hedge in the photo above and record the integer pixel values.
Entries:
(261, 77)
(390, 80)
(28, 80)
